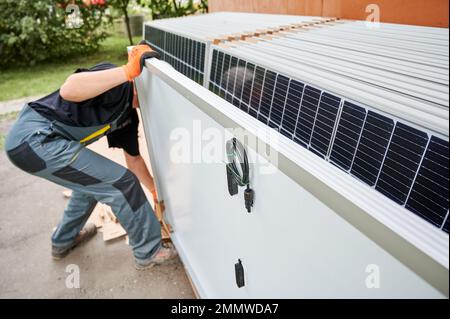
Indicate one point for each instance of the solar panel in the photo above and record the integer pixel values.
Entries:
(347, 136)
(325, 123)
(397, 160)
(372, 147)
(401, 162)
(429, 196)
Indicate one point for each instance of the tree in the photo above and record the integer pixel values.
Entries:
(162, 9)
(34, 31)
(122, 6)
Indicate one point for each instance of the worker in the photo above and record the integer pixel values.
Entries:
(49, 140)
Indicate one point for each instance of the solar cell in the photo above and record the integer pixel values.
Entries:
(307, 116)
(372, 147)
(257, 91)
(347, 136)
(292, 108)
(279, 101)
(267, 96)
(429, 197)
(325, 123)
(401, 162)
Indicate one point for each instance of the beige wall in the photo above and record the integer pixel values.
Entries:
(417, 12)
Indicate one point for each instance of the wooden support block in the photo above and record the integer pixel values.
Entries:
(165, 234)
(159, 210)
(267, 37)
(112, 231)
(67, 193)
(197, 295)
(112, 217)
(251, 40)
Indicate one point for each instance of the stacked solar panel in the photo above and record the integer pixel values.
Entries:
(372, 102)
(407, 165)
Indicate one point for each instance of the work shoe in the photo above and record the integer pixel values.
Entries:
(85, 234)
(165, 255)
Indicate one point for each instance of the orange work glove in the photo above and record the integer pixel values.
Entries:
(136, 59)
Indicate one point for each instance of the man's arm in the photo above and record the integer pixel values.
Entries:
(137, 165)
(87, 85)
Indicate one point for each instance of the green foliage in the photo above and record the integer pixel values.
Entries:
(122, 7)
(33, 31)
(162, 9)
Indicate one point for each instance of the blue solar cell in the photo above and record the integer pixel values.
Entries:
(372, 147)
(292, 108)
(218, 73)
(279, 101)
(429, 197)
(257, 90)
(347, 136)
(247, 90)
(267, 96)
(402, 162)
(307, 115)
(325, 123)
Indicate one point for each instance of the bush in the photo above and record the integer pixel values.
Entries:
(162, 9)
(33, 31)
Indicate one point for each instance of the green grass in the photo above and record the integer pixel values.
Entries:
(7, 117)
(47, 77)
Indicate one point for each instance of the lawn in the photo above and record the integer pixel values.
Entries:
(47, 77)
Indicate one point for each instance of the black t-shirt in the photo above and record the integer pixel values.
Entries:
(99, 110)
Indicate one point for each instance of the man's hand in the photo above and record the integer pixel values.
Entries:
(136, 59)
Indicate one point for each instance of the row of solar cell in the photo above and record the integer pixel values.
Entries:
(397, 160)
(185, 69)
(187, 50)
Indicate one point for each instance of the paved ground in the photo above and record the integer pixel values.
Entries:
(29, 209)
(16, 105)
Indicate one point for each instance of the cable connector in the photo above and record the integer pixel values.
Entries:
(249, 196)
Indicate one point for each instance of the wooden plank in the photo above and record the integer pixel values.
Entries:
(112, 231)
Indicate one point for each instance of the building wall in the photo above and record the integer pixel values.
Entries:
(417, 12)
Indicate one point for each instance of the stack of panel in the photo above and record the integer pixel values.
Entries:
(184, 42)
(374, 102)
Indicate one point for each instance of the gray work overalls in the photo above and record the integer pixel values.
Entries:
(57, 152)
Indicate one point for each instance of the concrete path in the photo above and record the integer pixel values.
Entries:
(17, 104)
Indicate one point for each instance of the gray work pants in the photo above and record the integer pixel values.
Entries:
(33, 146)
